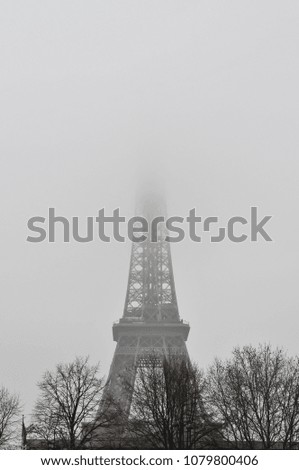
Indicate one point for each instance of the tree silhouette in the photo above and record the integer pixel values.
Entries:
(9, 416)
(167, 409)
(68, 412)
(256, 397)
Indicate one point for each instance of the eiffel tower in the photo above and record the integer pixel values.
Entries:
(150, 321)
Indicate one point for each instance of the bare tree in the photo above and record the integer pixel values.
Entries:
(68, 411)
(167, 409)
(289, 403)
(9, 416)
(256, 397)
(48, 423)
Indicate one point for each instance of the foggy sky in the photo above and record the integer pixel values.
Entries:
(94, 95)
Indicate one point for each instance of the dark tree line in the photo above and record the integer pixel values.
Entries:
(249, 401)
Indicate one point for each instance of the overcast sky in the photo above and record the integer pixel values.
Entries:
(94, 95)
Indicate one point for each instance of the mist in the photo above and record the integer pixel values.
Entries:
(96, 97)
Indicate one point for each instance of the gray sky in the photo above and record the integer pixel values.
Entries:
(93, 95)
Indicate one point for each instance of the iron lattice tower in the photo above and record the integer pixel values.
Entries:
(150, 321)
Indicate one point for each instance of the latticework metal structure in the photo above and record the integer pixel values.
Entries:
(151, 321)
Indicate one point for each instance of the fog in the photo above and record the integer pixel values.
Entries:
(95, 96)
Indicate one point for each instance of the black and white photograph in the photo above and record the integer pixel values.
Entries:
(149, 254)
